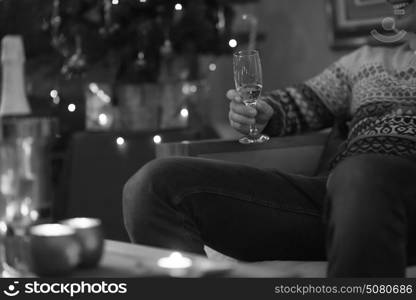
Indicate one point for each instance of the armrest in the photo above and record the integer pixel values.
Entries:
(295, 154)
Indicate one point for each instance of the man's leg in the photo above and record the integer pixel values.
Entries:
(372, 210)
(243, 212)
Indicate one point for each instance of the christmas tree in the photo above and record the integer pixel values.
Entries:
(131, 36)
(70, 43)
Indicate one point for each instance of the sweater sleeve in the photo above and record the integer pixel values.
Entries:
(312, 105)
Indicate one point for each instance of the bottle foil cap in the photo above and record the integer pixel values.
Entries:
(12, 49)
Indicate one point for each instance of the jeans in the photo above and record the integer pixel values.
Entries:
(362, 219)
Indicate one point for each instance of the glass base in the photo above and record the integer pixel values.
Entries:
(254, 140)
(9, 272)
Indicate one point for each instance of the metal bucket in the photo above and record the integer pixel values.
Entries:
(34, 137)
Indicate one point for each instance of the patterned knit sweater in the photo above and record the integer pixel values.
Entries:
(373, 90)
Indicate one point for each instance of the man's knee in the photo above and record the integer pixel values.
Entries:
(358, 193)
(155, 173)
(358, 178)
(365, 217)
(140, 190)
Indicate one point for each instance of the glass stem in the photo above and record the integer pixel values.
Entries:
(253, 131)
(2, 260)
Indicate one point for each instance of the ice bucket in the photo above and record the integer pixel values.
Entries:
(35, 137)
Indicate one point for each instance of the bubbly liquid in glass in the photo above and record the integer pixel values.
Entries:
(250, 93)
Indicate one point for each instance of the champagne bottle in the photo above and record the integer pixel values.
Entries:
(32, 135)
(13, 97)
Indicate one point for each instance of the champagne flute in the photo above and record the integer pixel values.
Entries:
(8, 191)
(17, 209)
(249, 83)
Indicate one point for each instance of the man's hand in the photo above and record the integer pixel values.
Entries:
(242, 116)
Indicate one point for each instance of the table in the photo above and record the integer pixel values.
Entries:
(126, 260)
(123, 260)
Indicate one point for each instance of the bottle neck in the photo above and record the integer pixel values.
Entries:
(13, 96)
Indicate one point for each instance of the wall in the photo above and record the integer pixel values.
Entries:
(296, 48)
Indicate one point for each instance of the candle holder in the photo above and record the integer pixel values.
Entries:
(91, 238)
(54, 249)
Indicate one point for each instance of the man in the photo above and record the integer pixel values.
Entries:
(361, 218)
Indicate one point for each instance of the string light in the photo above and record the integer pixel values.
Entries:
(157, 139)
(114, 2)
(193, 88)
(184, 112)
(24, 207)
(178, 6)
(55, 96)
(186, 89)
(72, 107)
(103, 119)
(233, 43)
(93, 87)
(120, 141)
(212, 67)
(3, 227)
(189, 89)
(54, 93)
(34, 215)
(101, 94)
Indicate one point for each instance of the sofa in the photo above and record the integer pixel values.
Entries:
(295, 154)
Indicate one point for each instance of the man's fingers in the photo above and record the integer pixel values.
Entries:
(264, 108)
(241, 109)
(241, 119)
(242, 116)
(240, 127)
(233, 96)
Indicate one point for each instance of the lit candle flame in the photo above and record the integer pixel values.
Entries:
(82, 223)
(175, 261)
(52, 230)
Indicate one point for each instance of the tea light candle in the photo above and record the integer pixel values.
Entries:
(91, 238)
(175, 261)
(54, 249)
(82, 223)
